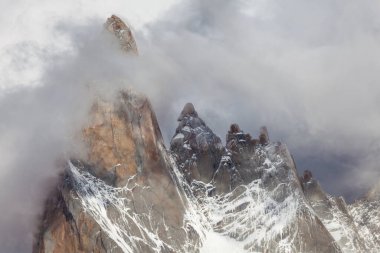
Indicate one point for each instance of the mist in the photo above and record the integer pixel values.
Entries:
(307, 70)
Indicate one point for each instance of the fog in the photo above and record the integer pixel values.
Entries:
(307, 70)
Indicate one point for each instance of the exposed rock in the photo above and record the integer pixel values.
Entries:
(131, 195)
(257, 191)
(242, 149)
(226, 177)
(123, 33)
(236, 139)
(65, 228)
(307, 176)
(366, 216)
(124, 137)
(197, 148)
(124, 140)
(270, 213)
(334, 214)
(189, 111)
(264, 137)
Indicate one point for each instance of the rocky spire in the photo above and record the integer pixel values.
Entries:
(127, 171)
(264, 136)
(307, 176)
(123, 33)
(188, 110)
(129, 195)
(197, 148)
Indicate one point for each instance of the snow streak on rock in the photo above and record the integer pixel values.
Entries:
(270, 213)
(366, 215)
(112, 209)
(256, 218)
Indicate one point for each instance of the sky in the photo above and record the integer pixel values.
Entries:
(308, 70)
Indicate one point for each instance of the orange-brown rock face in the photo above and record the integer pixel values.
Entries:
(110, 142)
(123, 196)
(124, 137)
(124, 34)
(66, 228)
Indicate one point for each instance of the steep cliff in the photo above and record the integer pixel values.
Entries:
(336, 217)
(366, 215)
(123, 197)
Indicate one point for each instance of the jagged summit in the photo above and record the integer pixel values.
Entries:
(188, 110)
(131, 194)
(104, 203)
(307, 176)
(197, 148)
(123, 33)
(203, 157)
(254, 181)
(264, 136)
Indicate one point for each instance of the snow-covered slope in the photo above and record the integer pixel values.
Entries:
(335, 216)
(256, 201)
(366, 215)
(250, 199)
(269, 214)
(261, 207)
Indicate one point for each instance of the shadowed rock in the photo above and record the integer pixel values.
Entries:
(333, 213)
(197, 148)
(264, 137)
(188, 110)
(307, 176)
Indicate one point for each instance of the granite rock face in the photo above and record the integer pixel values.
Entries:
(123, 197)
(123, 33)
(197, 148)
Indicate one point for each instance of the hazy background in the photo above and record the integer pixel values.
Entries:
(308, 70)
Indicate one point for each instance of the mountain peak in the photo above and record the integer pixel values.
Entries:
(130, 194)
(123, 33)
(307, 176)
(198, 149)
(264, 136)
(188, 110)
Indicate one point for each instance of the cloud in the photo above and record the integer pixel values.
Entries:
(41, 124)
(307, 70)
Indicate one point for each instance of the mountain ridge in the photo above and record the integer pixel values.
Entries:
(132, 194)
